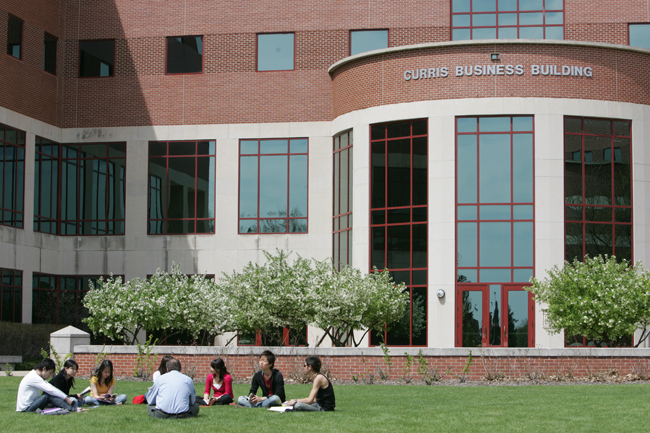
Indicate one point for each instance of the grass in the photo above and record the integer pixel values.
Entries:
(376, 408)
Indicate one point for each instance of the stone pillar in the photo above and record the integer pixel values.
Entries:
(64, 340)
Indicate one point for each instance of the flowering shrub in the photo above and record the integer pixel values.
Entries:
(600, 298)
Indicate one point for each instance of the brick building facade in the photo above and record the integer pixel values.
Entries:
(473, 136)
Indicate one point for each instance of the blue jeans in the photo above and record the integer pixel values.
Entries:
(304, 407)
(90, 400)
(272, 400)
(45, 399)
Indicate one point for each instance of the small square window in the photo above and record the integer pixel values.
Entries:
(367, 40)
(275, 52)
(185, 55)
(640, 35)
(96, 58)
(49, 54)
(14, 37)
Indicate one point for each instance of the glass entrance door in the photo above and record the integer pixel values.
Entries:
(494, 315)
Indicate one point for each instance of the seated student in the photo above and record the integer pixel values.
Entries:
(65, 380)
(220, 381)
(162, 368)
(35, 382)
(102, 382)
(321, 397)
(173, 395)
(270, 380)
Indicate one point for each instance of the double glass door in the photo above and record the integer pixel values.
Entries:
(494, 315)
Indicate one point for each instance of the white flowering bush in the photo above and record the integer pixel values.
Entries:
(348, 300)
(600, 298)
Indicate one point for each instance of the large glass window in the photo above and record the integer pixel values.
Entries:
(367, 40)
(14, 37)
(494, 230)
(597, 188)
(640, 35)
(96, 58)
(12, 176)
(280, 336)
(49, 53)
(11, 289)
(185, 55)
(46, 186)
(507, 19)
(181, 186)
(273, 185)
(275, 52)
(398, 231)
(342, 250)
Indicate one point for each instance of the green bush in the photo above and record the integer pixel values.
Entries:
(25, 339)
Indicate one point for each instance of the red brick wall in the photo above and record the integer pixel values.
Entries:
(343, 367)
(618, 75)
(229, 90)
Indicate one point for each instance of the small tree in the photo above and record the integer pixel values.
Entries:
(599, 298)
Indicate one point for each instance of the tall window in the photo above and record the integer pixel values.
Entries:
(398, 227)
(49, 53)
(46, 186)
(14, 37)
(342, 252)
(494, 231)
(507, 19)
(185, 55)
(96, 58)
(640, 35)
(181, 186)
(11, 289)
(275, 52)
(12, 176)
(597, 188)
(273, 185)
(367, 40)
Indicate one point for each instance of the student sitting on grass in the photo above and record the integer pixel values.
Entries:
(321, 397)
(173, 395)
(65, 380)
(270, 380)
(220, 382)
(35, 382)
(162, 368)
(102, 384)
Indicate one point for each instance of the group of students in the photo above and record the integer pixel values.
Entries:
(56, 392)
(172, 394)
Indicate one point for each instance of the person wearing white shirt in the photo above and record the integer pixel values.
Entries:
(36, 381)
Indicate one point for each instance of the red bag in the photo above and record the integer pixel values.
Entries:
(139, 399)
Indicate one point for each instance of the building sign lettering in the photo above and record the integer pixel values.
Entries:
(488, 70)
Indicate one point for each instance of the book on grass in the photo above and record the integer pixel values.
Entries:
(281, 408)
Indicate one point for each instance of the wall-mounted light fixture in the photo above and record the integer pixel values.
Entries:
(495, 56)
(441, 293)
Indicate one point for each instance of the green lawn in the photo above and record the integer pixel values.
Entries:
(603, 408)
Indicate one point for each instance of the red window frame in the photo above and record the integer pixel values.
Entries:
(20, 44)
(16, 213)
(342, 221)
(412, 224)
(56, 42)
(366, 30)
(286, 339)
(480, 285)
(257, 50)
(167, 157)
(259, 218)
(59, 159)
(11, 291)
(167, 55)
(112, 74)
(518, 26)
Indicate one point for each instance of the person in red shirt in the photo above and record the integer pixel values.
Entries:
(271, 382)
(220, 383)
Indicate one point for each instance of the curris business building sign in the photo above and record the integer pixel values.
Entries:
(496, 70)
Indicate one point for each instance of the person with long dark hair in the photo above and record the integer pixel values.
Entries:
(220, 383)
(162, 368)
(102, 384)
(65, 379)
(35, 382)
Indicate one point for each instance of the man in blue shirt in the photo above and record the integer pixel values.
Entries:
(173, 395)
